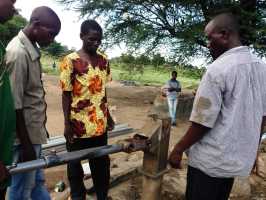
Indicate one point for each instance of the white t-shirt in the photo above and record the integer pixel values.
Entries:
(231, 100)
(172, 84)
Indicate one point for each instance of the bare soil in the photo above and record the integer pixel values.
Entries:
(129, 104)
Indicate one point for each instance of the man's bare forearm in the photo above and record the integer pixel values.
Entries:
(66, 103)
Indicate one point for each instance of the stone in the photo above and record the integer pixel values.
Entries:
(241, 188)
(174, 185)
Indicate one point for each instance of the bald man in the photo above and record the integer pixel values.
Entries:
(7, 114)
(23, 58)
(228, 113)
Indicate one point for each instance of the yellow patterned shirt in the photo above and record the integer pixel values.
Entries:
(87, 85)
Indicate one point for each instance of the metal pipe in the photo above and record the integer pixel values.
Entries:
(59, 159)
(137, 143)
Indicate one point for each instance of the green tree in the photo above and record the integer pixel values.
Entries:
(177, 24)
(127, 58)
(11, 28)
(143, 60)
(157, 60)
(56, 49)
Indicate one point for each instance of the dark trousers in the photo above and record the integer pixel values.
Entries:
(200, 186)
(100, 169)
(2, 193)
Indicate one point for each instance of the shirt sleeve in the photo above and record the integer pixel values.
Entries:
(208, 101)
(66, 69)
(18, 68)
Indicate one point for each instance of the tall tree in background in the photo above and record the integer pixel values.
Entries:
(176, 25)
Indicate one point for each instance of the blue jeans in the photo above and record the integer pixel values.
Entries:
(172, 104)
(29, 185)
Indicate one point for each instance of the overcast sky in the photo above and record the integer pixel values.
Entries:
(69, 34)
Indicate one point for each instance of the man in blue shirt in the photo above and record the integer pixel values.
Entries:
(173, 88)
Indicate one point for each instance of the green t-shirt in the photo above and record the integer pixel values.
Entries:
(7, 115)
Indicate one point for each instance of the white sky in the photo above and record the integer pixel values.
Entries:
(69, 34)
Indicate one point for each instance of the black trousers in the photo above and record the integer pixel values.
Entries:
(100, 169)
(2, 193)
(200, 186)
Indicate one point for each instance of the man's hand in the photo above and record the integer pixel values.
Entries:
(3, 172)
(68, 133)
(175, 159)
(110, 123)
(27, 153)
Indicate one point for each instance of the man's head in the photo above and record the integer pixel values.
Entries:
(44, 26)
(222, 33)
(7, 10)
(91, 35)
(174, 74)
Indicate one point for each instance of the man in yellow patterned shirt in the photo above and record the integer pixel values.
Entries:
(83, 77)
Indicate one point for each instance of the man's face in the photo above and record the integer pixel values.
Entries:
(216, 41)
(46, 34)
(91, 41)
(7, 10)
(174, 75)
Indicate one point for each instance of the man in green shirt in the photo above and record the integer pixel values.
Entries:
(7, 111)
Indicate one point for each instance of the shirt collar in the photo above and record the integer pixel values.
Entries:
(234, 50)
(29, 46)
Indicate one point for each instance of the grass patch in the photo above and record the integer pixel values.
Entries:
(47, 65)
(152, 77)
(148, 76)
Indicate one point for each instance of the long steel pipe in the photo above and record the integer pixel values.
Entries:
(137, 143)
(59, 159)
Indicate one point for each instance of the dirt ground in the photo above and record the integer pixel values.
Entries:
(129, 104)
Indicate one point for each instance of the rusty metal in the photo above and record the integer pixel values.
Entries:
(156, 157)
(137, 143)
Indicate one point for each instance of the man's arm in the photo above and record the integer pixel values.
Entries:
(66, 103)
(3, 172)
(27, 152)
(110, 121)
(255, 166)
(193, 135)
(176, 89)
(18, 65)
(263, 124)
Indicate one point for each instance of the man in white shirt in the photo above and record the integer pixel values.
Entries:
(228, 113)
(172, 89)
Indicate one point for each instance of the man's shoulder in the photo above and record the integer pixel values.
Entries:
(72, 55)
(16, 48)
(102, 54)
